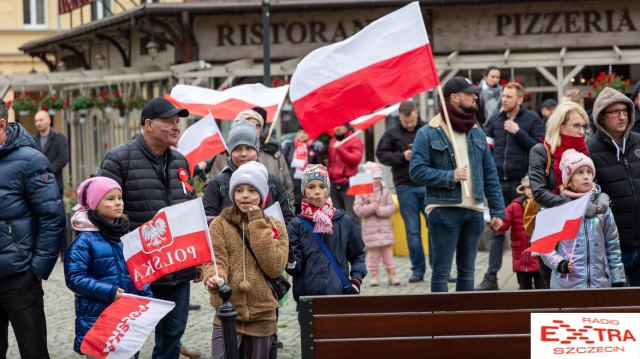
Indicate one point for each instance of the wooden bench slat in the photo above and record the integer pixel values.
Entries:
(512, 347)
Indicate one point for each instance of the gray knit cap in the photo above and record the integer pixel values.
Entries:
(252, 173)
(243, 132)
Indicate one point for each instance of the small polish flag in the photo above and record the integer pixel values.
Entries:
(227, 104)
(201, 141)
(122, 328)
(558, 224)
(176, 238)
(490, 142)
(367, 121)
(361, 183)
(388, 61)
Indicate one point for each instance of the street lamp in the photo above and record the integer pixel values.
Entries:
(152, 49)
(266, 54)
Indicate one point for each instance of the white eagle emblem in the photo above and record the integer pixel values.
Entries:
(154, 233)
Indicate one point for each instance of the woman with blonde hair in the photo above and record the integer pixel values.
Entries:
(574, 95)
(566, 129)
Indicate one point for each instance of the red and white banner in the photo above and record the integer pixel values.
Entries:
(388, 61)
(361, 183)
(201, 141)
(176, 238)
(558, 224)
(367, 121)
(122, 329)
(225, 105)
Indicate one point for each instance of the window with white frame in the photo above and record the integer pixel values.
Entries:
(101, 9)
(35, 13)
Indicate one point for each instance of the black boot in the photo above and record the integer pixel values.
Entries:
(490, 282)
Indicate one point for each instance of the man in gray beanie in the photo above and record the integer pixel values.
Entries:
(243, 146)
(615, 152)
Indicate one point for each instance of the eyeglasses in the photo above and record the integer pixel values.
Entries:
(577, 127)
(616, 113)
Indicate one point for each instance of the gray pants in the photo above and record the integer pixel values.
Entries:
(254, 347)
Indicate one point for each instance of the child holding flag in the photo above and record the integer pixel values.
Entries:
(377, 230)
(248, 246)
(94, 266)
(321, 231)
(593, 258)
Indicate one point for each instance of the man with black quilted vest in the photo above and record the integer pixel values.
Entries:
(153, 176)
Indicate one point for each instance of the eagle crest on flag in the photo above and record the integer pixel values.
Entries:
(156, 233)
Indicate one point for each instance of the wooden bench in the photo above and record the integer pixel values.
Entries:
(442, 325)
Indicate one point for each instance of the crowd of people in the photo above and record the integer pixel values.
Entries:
(484, 152)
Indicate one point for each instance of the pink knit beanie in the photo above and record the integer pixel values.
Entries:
(373, 168)
(571, 161)
(91, 191)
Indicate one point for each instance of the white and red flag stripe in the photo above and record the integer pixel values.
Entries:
(201, 141)
(388, 61)
(361, 183)
(176, 238)
(367, 121)
(225, 105)
(558, 224)
(122, 329)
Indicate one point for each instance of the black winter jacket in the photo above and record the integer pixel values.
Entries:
(148, 186)
(216, 199)
(511, 152)
(57, 152)
(32, 218)
(543, 184)
(390, 152)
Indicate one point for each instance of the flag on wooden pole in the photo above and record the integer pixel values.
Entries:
(201, 141)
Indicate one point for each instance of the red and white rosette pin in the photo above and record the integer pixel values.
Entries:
(183, 176)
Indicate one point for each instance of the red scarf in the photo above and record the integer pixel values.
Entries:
(300, 156)
(566, 142)
(460, 121)
(321, 217)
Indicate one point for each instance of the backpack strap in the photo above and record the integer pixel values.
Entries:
(546, 170)
(327, 252)
(272, 187)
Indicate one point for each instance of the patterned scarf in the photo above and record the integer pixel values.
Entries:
(321, 217)
(566, 142)
(300, 155)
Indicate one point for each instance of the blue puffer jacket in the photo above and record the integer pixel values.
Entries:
(313, 273)
(94, 269)
(32, 218)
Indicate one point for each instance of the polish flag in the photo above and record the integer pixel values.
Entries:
(388, 61)
(122, 329)
(558, 224)
(362, 183)
(367, 121)
(176, 238)
(227, 104)
(201, 141)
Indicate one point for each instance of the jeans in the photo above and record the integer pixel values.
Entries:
(412, 202)
(22, 304)
(631, 262)
(170, 328)
(496, 244)
(343, 201)
(454, 229)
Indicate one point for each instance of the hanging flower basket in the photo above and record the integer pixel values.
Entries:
(51, 104)
(23, 104)
(81, 104)
(611, 80)
(135, 102)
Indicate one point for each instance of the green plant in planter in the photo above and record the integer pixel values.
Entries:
(101, 100)
(24, 103)
(51, 103)
(135, 102)
(82, 102)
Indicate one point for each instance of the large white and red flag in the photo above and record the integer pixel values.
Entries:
(388, 61)
(225, 105)
(361, 183)
(176, 238)
(558, 224)
(367, 121)
(201, 141)
(122, 329)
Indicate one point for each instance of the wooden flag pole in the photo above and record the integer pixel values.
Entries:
(270, 130)
(340, 143)
(453, 142)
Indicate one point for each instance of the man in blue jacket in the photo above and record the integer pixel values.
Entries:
(455, 219)
(32, 222)
(514, 131)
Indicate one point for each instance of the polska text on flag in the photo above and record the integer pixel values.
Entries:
(558, 224)
(367, 121)
(227, 104)
(361, 183)
(201, 141)
(388, 61)
(124, 326)
(176, 238)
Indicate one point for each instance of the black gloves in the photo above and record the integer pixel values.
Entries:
(621, 284)
(351, 290)
(563, 267)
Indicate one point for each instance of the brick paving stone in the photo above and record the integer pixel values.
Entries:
(60, 310)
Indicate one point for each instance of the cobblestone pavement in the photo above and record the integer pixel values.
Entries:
(60, 310)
